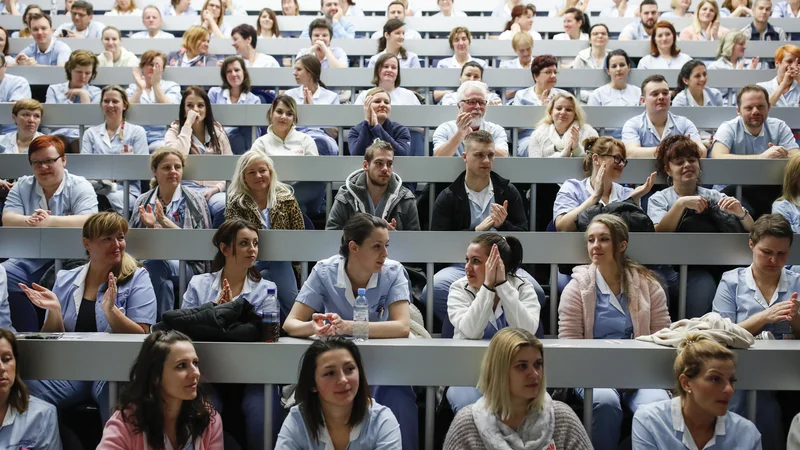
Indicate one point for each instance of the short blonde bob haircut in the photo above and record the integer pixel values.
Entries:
(107, 223)
(728, 41)
(493, 381)
(791, 181)
(580, 116)
(521, 40)
(194, 36)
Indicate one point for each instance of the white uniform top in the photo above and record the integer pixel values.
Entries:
(634, 31)
(116, 12)
(452, 63)
(296, 143)
(782, 9)
(545, 141)
(512, 64)
(8, 143)
(453, 13)
(790, 98)
(613, 11)
(340, 55)
(608, 96)
(661, 63)
(206, 287)
(565, 37)
(711, 97)
(399, 96)
(262, 60)
(508, 35)
(409, 34)
(446, 130)
(146, 35)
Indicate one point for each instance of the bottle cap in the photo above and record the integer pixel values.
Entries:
(362, 291)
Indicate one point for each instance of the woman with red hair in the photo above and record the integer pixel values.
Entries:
(664, 54)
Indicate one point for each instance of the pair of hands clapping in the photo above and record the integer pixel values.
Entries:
(45, 298)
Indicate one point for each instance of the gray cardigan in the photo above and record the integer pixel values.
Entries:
(568, 434)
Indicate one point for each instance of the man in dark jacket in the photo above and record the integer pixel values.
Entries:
(478, 200)
(375, 189)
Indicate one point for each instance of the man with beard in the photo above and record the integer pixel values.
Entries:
(753, 135)
(375, 189)
(471, 98)
(642, 134)
(640, 30)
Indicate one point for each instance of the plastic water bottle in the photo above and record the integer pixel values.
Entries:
(271, 318)
(361, 317)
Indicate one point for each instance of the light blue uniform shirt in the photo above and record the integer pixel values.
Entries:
(640, 130)
(8, 143)
(93, 31)
(75, 196)
(136, 298)
(5, 309)
(734, 135)
(97, 142)
(790, 211)
(36, 428)
(574, 192)
(451, 63)
(342, 29)
(738, 297)
(411, 61)
(378, 431)
(660, 426)
(146, 35)
(12, 89)
(612, 318)
(340, 55)
(57, 53)
(782, 9)
(171, 90)
(57, 93)
(790, 98)
(606, 95)
(634, 31)
(328, 289)
(662, 201)
(220, 96)
(205, 288)
(711, 97)
(446, 130)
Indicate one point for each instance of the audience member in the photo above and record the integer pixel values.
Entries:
(641, 134)
(245, 38)
(392, 43)
(523, 46)
(576, 26)
(267, 25)
(692, 90)
(235, 90)
(471, 71)
(515, 407)
(736, 8)
(730, 54)
(25, 32)
(397, 10)
(179, 8)
(83, 24)
(619, 8)
(46, 50)
(664, 54)
(612, 298)
(386, 75)
(760, 29)
(114, 54)
(376, 125)
(544, 70)
(618, 92)
(81, 69)
(521, 22)
(312, 91)
(447, 9)
(194, 49)
(449, 137)
(562, 130)
(786, 8)
(680, 9)
(322, 410)
(149, 87)
(282, 136)
(151, 19)
(124, 8)
(341, 28)
(641, 29)
(762, 299)
(460, 39)
(329, 293)
(705, 375)
(784, 90)
(375, 189)
(163, 406)
(27, 115)
(13, 88)
(321, 32)
(705, 24)
(594, 56)
(212, 19)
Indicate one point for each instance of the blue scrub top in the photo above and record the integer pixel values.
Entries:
(5, 309)
(97, 142)
(206, 288)
(662, 201)
(738, 297)
(378, 431)
(57, 53)
(789, 210)
(612, 318)
(574, 192)
(660, 426)
(328, 289)
(734, 135)
(136, 298)
(639, 130)
(36, 428)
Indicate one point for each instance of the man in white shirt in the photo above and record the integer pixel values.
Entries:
(641, 29)
(83, 24)
(472, 98)
(397, 10)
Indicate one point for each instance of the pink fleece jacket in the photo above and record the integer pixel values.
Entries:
(576, 307)
(119, 435)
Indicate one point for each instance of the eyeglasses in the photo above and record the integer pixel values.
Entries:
(474, 102)
(44, 162)
(617, 159)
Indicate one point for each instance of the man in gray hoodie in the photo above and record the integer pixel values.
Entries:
(375, 189)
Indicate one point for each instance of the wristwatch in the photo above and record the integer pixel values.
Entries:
(744, 216)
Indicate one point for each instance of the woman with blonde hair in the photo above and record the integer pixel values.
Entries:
(515, 411)
(614, 297)
(169, 204)
(124, 8)
(211, 17)
(705, 376)
(730, 53)
(194, 50)
(680, 8)
(705, 24)
(562, 130)
(522, 44)
(112, 293)
(114, 54)
(736, 8)
(788, 205)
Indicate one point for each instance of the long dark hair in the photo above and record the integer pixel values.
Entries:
(314, 68)
(358, 228)
(586, 27)
(376, 71)
(18, 396)
(141, 403)
(686, 72)
(209, 121)
(390, 26)
(226, 234)
(509, 247)
(308, 399)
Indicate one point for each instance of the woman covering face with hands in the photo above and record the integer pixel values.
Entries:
(150, 87)
(112, 294)
(763, 299)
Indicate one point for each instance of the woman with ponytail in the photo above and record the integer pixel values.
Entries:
(311, 91)
(394, 35)
(705, 375)
(489, 298)
(614, 297)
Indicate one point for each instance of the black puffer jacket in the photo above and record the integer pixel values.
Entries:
(236, 321)
(627, 210)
